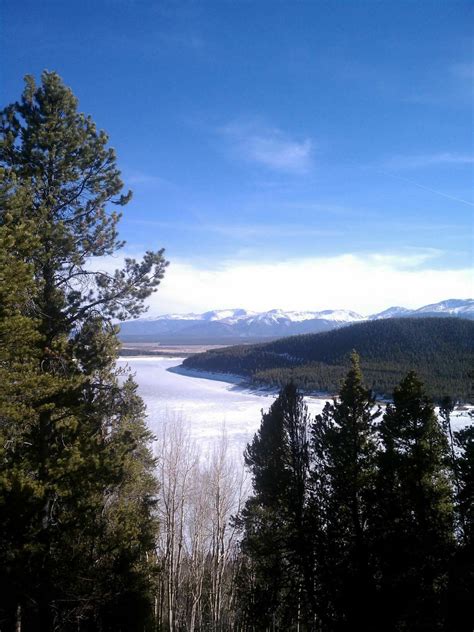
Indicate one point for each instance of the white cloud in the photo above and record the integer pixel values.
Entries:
(429, 160)
(137, 178)
(269, 147)
(364, 283)
(406, 260)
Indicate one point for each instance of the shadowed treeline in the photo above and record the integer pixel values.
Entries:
(440, 350)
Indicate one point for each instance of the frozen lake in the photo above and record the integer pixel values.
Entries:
(207, 406)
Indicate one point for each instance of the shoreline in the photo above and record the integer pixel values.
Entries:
(152, 357)
(230, 378)
(240, 382)
(147, 349)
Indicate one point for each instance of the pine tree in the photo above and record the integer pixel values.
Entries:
(461, 586)
(76, 477)
(446, 407)
(414, 512)
(276, 539)
(343, 478)
(20, 384)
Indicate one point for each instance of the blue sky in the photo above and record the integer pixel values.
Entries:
(302, 155)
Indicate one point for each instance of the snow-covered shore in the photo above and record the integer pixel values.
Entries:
(230, 378)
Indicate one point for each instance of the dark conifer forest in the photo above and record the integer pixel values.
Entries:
(356, 519)
(441, 350)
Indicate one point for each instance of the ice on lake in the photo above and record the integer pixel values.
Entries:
(208, 405)
(205, 405)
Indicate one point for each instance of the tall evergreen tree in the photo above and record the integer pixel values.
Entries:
(21, 384)
(446, 407)
(276, 539)
(461, 588)
(76, 472)
(343, 478)
(414, 512)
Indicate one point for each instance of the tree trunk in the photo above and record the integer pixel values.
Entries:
(18, 619)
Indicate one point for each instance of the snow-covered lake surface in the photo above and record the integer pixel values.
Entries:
(208, 405)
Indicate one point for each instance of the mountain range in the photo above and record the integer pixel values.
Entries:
(238, 325)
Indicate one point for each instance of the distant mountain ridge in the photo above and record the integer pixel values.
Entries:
(234, 325)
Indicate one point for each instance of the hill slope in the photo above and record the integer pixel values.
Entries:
(441, 350)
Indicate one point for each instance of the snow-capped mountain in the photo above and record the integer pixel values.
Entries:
(452, 307)
(278, 315)
(231, 315)
(233, 325)
(339, 315)
(391, 312)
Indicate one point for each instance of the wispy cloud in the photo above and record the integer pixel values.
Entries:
(405, 260)
(327, 209)
(245, 231)
(429, 160)
(138, 177)
(448, 85)
(464, 71)
(183, 40)
(429, 189)
(269, 147)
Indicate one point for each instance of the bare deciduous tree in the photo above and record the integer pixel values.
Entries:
(197, 544)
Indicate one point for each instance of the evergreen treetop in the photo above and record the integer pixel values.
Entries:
(73, 179)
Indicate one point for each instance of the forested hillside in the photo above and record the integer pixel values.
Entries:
(441, 350)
